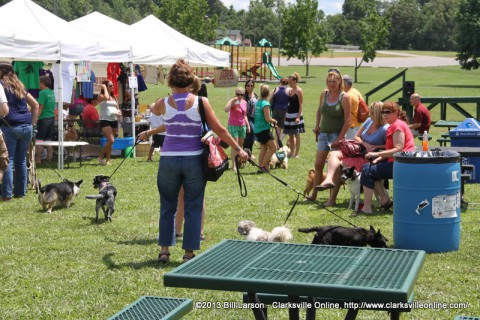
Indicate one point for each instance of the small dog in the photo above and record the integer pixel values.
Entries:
(105, 197)
(310, 182)
(62, 193)
(275, 162)
(351, 178)
(343, 236)
(248, 229)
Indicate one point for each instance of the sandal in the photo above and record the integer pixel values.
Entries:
(387, 205)
(165, 259)
(325, 187)
(187, 258)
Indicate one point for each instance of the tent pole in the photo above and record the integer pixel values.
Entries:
(132, 102)
(59, 84)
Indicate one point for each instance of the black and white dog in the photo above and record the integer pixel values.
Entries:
(351, 178)
(343, 236)
(62, 193)
(105, 197)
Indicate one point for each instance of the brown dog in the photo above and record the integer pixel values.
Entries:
(311, 181)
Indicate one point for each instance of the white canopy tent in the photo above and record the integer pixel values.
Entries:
(154, 42)
(196, 53)
(29, 32)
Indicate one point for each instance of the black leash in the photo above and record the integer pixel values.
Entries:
(241, 181)
(298, 195)
(137, 141)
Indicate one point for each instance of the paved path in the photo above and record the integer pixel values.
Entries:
(406, 60)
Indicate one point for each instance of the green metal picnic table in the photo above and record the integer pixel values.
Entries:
(446, 124)
(350, 274)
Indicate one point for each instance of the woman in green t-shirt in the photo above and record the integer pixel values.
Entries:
(263, 119)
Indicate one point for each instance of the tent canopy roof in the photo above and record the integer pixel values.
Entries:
(29, 32)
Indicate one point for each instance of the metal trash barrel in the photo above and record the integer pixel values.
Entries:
(426, 190)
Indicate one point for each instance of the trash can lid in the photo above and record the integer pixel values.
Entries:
(431, 156)
(469, 127)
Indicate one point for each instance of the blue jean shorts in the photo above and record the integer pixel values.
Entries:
(325, 139)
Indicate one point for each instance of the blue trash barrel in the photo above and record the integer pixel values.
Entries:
(426, 191)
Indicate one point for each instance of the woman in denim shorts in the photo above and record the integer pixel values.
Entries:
(331, 124)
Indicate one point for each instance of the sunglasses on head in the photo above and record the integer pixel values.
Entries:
(387, 111)
(334, 71)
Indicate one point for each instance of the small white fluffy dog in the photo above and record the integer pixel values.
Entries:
(248, 229)
(276, 163)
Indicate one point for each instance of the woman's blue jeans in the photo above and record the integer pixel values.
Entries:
(17, 140)
(173, 172)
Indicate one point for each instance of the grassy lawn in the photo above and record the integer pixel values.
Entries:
(64, 266)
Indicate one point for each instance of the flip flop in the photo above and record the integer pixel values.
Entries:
(325, 187)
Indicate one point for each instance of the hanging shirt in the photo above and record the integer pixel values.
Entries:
(28, 72)
(68, 76)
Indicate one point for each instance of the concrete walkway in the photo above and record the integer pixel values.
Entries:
(407, 60)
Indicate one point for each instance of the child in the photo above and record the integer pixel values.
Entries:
(263, 119)
(156, 131)
(46, 120)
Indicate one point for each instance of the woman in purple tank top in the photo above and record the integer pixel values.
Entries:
(181, 162)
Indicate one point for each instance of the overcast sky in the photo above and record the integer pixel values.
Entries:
(328, 6)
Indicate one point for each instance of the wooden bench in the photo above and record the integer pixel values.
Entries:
(148, 307)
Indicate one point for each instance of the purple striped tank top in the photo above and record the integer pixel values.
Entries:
(183, 128)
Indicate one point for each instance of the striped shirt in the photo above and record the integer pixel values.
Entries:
(183, 128)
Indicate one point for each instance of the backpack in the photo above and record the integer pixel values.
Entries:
(362, 113)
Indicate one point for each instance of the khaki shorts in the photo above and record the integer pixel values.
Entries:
(3, 154)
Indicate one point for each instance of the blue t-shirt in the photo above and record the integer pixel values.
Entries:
(377, 138)
(259, 120)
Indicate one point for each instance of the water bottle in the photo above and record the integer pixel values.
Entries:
(425, 141)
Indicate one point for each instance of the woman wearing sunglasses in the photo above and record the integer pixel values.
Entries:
(331, 124)
(251, 98)
(399, 138)
(109, 111)
(238, 125)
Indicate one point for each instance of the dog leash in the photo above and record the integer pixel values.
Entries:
(137, 141)
(298, 195)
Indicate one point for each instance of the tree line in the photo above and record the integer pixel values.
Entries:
(301, 30)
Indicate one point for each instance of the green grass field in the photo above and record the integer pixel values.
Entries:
(64, 266)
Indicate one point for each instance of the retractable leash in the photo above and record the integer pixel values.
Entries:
(288, 186)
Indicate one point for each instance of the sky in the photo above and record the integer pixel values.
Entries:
(328, 6)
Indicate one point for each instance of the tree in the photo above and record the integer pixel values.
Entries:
(405, 20)
(304, 31)
(358, 9)
(374, 35)
(261, 22)
(468, 36)
(437, 31)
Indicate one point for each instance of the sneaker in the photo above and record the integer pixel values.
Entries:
(108, 163)
(101, 162)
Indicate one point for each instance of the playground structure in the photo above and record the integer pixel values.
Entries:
(254, 63)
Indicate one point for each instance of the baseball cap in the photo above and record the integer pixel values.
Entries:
(347, 79)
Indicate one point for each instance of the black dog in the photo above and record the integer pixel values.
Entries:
(105, 197)
(343, 236)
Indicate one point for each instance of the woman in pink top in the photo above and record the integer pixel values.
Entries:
(238, 125)
(399, 138)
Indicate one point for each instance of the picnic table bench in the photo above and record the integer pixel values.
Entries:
(155, 308)
(349, 274)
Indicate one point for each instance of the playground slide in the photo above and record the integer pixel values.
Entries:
(273, 70)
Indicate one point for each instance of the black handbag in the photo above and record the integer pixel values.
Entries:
(215, 160)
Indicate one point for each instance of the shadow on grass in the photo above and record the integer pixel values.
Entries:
(141, 242)
(108, 261)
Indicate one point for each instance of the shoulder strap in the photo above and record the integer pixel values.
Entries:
(201, 111)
